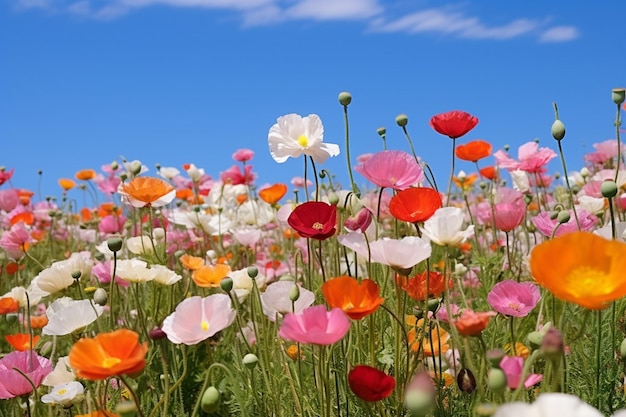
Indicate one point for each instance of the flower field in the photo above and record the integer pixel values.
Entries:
(493, 293)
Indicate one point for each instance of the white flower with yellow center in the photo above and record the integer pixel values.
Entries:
(65, 394)
(294, 135)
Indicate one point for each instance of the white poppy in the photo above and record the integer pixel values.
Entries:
(444, 227)
(65, 316)
(294, 135)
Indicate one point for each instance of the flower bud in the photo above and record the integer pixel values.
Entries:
(485, 410)
(114, 165)
(157, 333)
(466, 381)
(496, 380)
(250, 360)
(333, 199)
(294, 293)
(433, 304)
(534, 339)
(608, 189)
(402, 120)
(622, 349)
(558, 130)
(11, 317)
(76, 275)
(618, 95)
(494, 356)
(420, 394)
(345, 98)
(563, 216)
(126, 409)
(382, 132)
(114, 244)
(226, 284)
(552, 344)
(253, 271)
(100, 296)
(211, 399)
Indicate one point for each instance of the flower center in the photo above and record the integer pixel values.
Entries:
(62, 391)
(303, 141)
(514, 306)
(317, 226)
(588, 281)
(205, 325)
(110, 362)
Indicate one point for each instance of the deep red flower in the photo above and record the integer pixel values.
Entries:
(453, 124)
(415, 204)
(314, 219)
(370, 384)
(489, 172)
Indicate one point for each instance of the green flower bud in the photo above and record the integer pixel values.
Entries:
(179, 253)
(506, 148)
(608, 189)
(433, 305)
(76, 275)
(294, 293)
(253, 271)
(496, 380)
(534, 339)
(382, 132)
(563, 216)
(333, 199)
(528, 199)
(100, 296)
(226, 284)
(419, 402)
(622, 348)
(485, 409)
(126, 409)
(11, 317)
(618, 95)
(250, 360)
(114, 165)
(345, 98)
(553, 215)
(211, 400)
(558, 130)
(402, 120)
(114, 244)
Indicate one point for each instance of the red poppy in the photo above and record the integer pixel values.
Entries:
(416, 287)
(473, 151)
(314, 219)
(415, 204)
(453, 124)
(489, 172)
(370, 384)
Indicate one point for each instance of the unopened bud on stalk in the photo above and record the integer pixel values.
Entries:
(211, 400)
(382, 132)
(226, 284)
(552, 344)
(496, 380)
(76, 275)
(250, 360)
(345, 98)
(608, 189)
(157, 333)
(563, 216)
(622, 349)
(558, 130)
(466, 381)
(618, 95)
(294, 293)
(100, 297)
(114, 244)
(126, 409)
(253, 271)
(333, 199)
(402, 120)
(534, 339)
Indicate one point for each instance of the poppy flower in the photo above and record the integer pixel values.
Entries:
(147, 192)
(549, 404)
(402, 253)
(463, 181)
(370, 384)
(515, 299)
(66, 183)
(209, 276)
(433, 344)
(22, 341)
(391, 169)
(507, 216)
(315, 325)
(108, 354)
(243, 155)
(273, 194)
(444, 227)
(473, 151)
(294, 135)
(5, 175)
(416, 288)
(415, 204)
(453, 124)
(8, 305)
(314, 219)
(85, 174)
(20, 372)
(276, 301)
(471, 323)
(191, 262)
(489, 172)
(356, 299)
(513, 367)
(532, 159)
(581, 268)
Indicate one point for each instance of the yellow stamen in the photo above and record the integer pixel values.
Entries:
(303, 141)
(62, 391)
(205, 325)
(110, 362)
(317, 226)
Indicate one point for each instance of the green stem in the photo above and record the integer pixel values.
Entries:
(355, 189)
(451, 173)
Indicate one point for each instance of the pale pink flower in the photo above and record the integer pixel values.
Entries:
(508, 216)
(299, 182)
(605, 151)
(16, 241)
(9, 199)
(532, 159)
(513, 367)
(275, 299)
(315, 325)
(243, 155)
(515, 299)
(399, 253)
(546, 225)
(13, 383)
(196, 319)
(391, 169)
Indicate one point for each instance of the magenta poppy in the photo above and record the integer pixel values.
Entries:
(453, 124)
(314, 219)
(370, 384)
(515, 299)
(315, 325)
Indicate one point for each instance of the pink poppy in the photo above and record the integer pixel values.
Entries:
(315, 325)
(243, 155)
(513, 367)
(112, 224)
(360, 221)
(512, 298)
(605, 151)
(16, 241)
(546, 225)
(13, 383)
(453, 124)
(5, 175)
(9, 199)
(531, 158)
(391, 169)
(196, 319)
(102, 272)
(235, 176)
(508, 216)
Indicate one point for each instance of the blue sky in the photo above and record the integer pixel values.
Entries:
(84, 82)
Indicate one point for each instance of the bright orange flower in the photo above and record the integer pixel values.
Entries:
(148, 192)
(272, 195)
(191, 262)
(415, 287)
(582, 268)
(26, 217)
(98, 413)
(433, 343)
(489, 172)
(108, 208)
(9, 305)
(184, 193)
(85, 174)
(465, 183)
(21, 341)
(242, 198)
(25, 196)
(415, 204)
(108, 354)
(356, 299)
(520, 350)
(66, 183)
(38, 322)
(471, 323)
(473, 151)
(210, 275)
(442, 377)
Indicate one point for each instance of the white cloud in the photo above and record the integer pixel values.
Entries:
(451, 22)
(334, 9)
(560, 34)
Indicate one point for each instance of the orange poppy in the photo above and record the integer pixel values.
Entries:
(465, 183)
(473, 151)
(433, 344)
(26, 217)
(490, 172)
(38, 235)
(85, 174)
(98, 413)
(184, 193)
(66, 183)
(108, 354)
(415, 204)
(9, 305)
(520, 350)
(38, 322)
(191, 262)
(472, 323)
(356, 299)
(148, 192)
(242, 198)
(582, 268)
(25, 196)
(210, 275)
(415, 287)
(21, 341)
(108, 208)
(272, 195)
